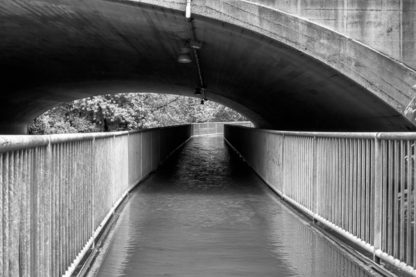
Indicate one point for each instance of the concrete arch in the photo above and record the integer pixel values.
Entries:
(280, 70)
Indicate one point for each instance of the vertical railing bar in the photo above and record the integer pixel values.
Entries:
(282, 163)
(369, 190)
(385, 171)
(349, 187)
(306, 172)
(354, 187)
(377, 196)
(13, 187)
(409, 205)
(359, 190)
(332, 179)
(365, 198)
(61, 209)
(324, 200)
(49, 225)
(363, 189)
(67, 203)
(53, 211)
(309, 176)
(314, 204)
(335, 179)
(92, 185)
(337, 188)
(347, 184)
(389, 202)
(305, 165)
(395, 200)
(297, 169)
(328, 180)
(413, 157)
(2, 216)
(298, 174)
(6, 217)
(71, 182)
(78, 199)
(320, 168)
(28, 210)
(58, 209)
(341, 165)
(343, 184)
(384, 195)
(402, 207)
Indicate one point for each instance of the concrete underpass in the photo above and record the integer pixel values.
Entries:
(308, 74)
(205, 213)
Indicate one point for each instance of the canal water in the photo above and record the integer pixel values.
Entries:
(205, 213)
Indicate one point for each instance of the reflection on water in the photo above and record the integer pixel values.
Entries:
(206, 214)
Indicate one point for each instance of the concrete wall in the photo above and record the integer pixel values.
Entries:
(368, 71)
(386, 25)
(57, 192)
(276, 68)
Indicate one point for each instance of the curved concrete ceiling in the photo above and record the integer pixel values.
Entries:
(53, 52)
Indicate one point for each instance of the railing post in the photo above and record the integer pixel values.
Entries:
(377, 197)
(315, 198)
(92, 183)
(282, 163)
(48, 210)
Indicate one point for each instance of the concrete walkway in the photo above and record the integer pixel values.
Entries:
(206, 214)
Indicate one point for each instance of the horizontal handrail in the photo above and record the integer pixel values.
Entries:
(358, 135)
(15, 142)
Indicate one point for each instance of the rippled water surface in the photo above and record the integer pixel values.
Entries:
(206, 214)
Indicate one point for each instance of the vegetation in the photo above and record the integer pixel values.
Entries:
(129, 111)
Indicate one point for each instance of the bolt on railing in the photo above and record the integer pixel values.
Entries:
(361, 185)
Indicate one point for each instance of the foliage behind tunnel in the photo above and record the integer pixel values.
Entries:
(129, 111)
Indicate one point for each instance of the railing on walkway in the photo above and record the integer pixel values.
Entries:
(361, 185)
(215, 128)
(57, 192)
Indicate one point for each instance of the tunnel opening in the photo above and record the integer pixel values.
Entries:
(130, 111)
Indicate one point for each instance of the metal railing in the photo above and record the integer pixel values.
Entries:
(58, 191)
(361, 185)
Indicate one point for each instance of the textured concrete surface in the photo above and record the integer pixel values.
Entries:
(386, 25)
(280, 70)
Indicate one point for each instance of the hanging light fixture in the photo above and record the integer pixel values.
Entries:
(184, 55)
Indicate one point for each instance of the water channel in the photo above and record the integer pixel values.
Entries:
(205, 213)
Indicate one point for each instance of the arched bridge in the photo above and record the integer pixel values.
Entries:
(293, 66)
(289, 65)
